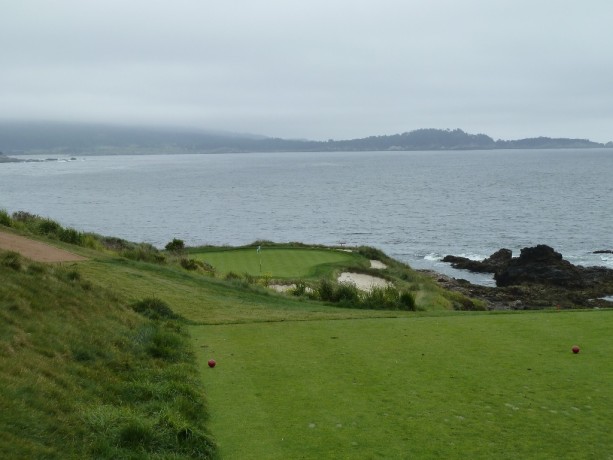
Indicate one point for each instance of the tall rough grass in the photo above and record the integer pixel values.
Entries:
(83, 376)
(348, 295)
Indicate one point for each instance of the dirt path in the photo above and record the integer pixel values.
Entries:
(36, 250)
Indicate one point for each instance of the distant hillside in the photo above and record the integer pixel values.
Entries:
(83, 139)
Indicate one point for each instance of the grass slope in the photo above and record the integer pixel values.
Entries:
(295, 379)
(82, 376)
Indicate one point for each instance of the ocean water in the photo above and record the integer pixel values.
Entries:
(416, 206)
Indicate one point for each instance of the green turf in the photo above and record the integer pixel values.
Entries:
(82, 376)
(278, 262)
(479, 386)
(211, 301)
(301, 379)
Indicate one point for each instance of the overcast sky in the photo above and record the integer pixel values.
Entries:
(314, 69)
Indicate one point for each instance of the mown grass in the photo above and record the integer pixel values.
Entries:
(84, 376)
(278, 262)
(477, 386)
(206, 300)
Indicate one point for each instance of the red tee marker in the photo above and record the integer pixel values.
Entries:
(575, 349)
(212, 363)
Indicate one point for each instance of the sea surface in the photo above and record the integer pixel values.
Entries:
(415, 206)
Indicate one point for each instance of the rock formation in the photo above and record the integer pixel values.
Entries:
(539, 277)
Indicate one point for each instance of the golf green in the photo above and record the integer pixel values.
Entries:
(276, 262)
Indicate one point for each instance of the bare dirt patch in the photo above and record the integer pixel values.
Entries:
(35, 250)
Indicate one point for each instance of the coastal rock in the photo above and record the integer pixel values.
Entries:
(493, 264)
(603, 251)
(540, 265)
(538, 278)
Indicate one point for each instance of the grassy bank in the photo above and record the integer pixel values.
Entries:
(84, 376)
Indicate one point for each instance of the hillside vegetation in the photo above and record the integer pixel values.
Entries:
(107, 358)
(83, 375)
(32, 137)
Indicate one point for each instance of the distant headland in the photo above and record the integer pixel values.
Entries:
(42, 137)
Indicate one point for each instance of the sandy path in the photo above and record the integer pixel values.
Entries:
(36, 250)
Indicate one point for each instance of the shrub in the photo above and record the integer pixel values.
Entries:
(154, 308)
(191, 264)
(11, 259)
(89, 240)
(144, 252)
(347, 294)
(406, 301)
(175, 245)
(300, 289)
(71, 236)
(389, 298)
(371, 253)
(325, 290)
(48, 227)
(23, 216)
(5, 219)
(116, 244)
(165, 345)
(232, 276)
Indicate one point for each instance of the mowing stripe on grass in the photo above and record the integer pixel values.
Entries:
(475, 386)
(276, 262)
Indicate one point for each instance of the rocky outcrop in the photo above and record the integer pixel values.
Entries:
(493, 264)
(540, 265)
(538, 278)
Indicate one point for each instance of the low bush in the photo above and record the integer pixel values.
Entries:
(300, 289)
(176, 245)
(325, 290)
(195, 264)
(144, 252)
(232, 276)
(48, 227)
(71, 236)
(11, 259)
(347, 295)
(5, 219)
(154, 308)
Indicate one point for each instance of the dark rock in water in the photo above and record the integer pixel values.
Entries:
(538, 278)
(499, 260)
(493, 264)
(540, 265)
(603, 251)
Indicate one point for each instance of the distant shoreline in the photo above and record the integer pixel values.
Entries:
(69, 139)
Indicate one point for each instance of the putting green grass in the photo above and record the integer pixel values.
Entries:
(458, 386)
(287, 263)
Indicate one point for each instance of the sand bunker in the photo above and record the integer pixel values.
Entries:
(35, 250)
(377, 264)
(286, 287)
(282, 287)
(363, 282)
